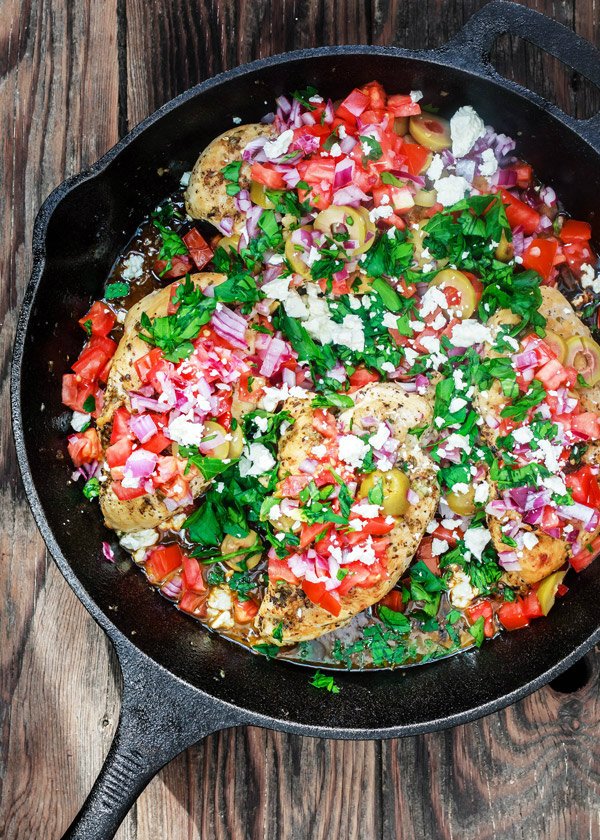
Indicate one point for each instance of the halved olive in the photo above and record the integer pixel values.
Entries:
(546, 591)
(294, 252)
(395, 486)
(449, 278)
(258, 195)
(214, 431)
(425, 198)
(504, 250)
(584, 355)
(236, 444)
(370, 229)
(338, 219)
(462, 504)
(557, 344)
(230, 243)
(400, 125)
(236, 546)
(431, 131)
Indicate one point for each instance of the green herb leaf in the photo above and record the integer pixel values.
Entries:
(330, 398)
(325, 682)
(391, 618)
(91, 488)
(116, 290)
(89, 405)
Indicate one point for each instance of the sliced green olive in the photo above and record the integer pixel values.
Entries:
(212, 429)
(504, 250)
(236, 444)
(370, 229)
(431, 131)
(425, 198)
(451, 279)
(339, 219)
(293, 253)
(462, 504)
(401, 126)
(584, 355)
(557, 344)
(546, 591)
(236, 545)
(258, 195)
(395, 490)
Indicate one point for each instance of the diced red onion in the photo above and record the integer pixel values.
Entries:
(412, 497)
(509, 561)
(225, 225)
(466, 169)
(283, 105)
(230, 325)
(548, 196)
(309, 465)
(506, 178)
(108, 552)
(141, 464)
(288, 377)
(273, 358)
(291, 177)
(242, 201)
(347, 144)
(343, 173)
(173, 588)
(582, 513)
(351, 195)
(143, 427)
(216, 439)
(139, 403)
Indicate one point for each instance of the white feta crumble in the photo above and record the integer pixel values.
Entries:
(79, 420)
(390, 320)
(451, 189)
(431, 343)
(380, 437)
(555, 484)
(277, 147)
(530, 540)
(352, 450)
(436, 167)
(335, 151)
(551, 455)
(416, 95)
(466, 127)
(461, 590)
(185, 179)
(489, 164)
(185, 430)
(132, 267)
(523, 434)
(439, 547)
(236, 120)
(273, 396)
(589, 280)
(469, 332)
(476, 540)
(319, 450)
(384, 211)
(256, 460)
(277, 289)
(139, 539)
(219, 606)
(294, 305)
(482, 493)
(366, 510)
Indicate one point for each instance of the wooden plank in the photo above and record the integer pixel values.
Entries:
(58, 706)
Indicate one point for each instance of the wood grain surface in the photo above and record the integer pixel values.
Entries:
(74, 76)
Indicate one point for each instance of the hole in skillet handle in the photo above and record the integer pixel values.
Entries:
(574, 678)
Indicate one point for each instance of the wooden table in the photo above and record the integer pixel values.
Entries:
(75, 76)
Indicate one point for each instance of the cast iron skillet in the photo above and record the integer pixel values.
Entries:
(180, 682)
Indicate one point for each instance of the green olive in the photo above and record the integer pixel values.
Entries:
(369, 228)
(546, 591)
(425, 198)
(294, 252)
(451, 279)
(584, 355)
(339, 218)
(461, 503)
(395, 490)
(211, 430)
(230, 243)
(504, 250)
(557, 344)
(431, 131)
(236, 444)
(236, 545)
(258, 195)
(401, 126)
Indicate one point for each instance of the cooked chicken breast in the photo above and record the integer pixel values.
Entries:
(550, 553)
(206, 196)
(287, 604)
(145, 511)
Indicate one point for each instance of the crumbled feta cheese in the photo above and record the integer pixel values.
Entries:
(277, 147)
(523, 434)
(388, 367)
(451, 189)
(489, 164)
(530, 540)
(139, 539)
(380, 437)
(476, 540)
(133, 267)
(436, 167)
(461, 590)
(185, 430)
(294, 305)
(416, 95)
(390, 320)
(439, 547)
(482, 493)
(466, 127)
(555, 484)
(335, 151)
(551, 455)
(185, 179)
(236, 120)
(256, 460)
(363, 553)
(433, 299)
(431, 343)
(456, 404)
(273, 396)
(366, 510)
(352, 450)
(320, 450)
(469, 332)
(79, 420)
(277, 289)
(384, 211)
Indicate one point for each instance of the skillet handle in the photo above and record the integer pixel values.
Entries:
(160, 717)
(471, 47)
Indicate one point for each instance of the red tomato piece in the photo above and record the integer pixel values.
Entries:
(84, 447)
(531, 606)
(353, 106)
(313, 591)
(265, 174)
(330, 601)
(279, 570)
(325, 423)
(416, 157)
(393, 600)
(362, 376)
(193, 603)
(149, 363)
(75, 392)
(117, 454)
(310, 532)
(251, 387)
(292, 485)
(376, 93)
(200, 250)
(100, 319)
(125, 494)
(192, 575)
(180, 265)
(573, 231)
(163, 560)
(519, 213)
(157, 443)
(540, 256)
(512, 616)
(120, 425)
(402, 105)
(483, 608)
(244, 611)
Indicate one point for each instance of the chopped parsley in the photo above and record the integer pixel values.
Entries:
(116, 290)
(91, 488)
(325, 682)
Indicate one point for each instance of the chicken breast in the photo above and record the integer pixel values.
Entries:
(550, 553)
(287, 604)
(206, 196)
(145, 511)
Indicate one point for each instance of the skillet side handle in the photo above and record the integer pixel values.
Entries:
(471, 46)
(160, 717)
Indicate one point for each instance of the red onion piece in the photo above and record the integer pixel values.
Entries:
(143, 427)
(108, 552)
(173, 588)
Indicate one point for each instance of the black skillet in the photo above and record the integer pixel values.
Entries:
(180, 682)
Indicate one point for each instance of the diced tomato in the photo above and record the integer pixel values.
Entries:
(362, 576)
(330, 601)
(531, 606)
(512, 616)
(193, 603)
(163, 560)
(148, 363)
(402, 106)
(353, 106)
(372, 117)
(157, 443)
(483, 608)
(442, 533)
(376, 93)
(244, 611)
(361, 377)
(313, 591)
(519, 213)
(376, 527)
(279, 570)
(75, 392)
(584, 486)
(393, 600)
(586, 424)
(89, 365)
(180, 265)
(265, 174)
(100, 319)
(577, 253)
(200, 250)
(292, 485)
(549, 518)
(540, 255)
(552, 375)
(416, 157)
(192, 575)
(125, 494)
(573, 231)
(251, 387)
(325, 423)
(309, 532)
(117, 453)
(524, 173)
(84, 447)
(120, 425)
